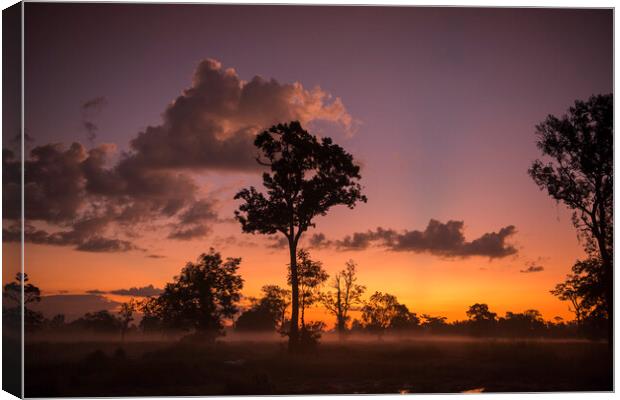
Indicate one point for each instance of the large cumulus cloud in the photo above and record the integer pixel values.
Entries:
(79, 197)
(442, 239)
(213, 123)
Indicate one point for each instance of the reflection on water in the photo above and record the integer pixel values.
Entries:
(476, 390)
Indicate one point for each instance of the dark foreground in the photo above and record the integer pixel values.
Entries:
(422, 366)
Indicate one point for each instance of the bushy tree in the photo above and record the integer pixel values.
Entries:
(200, 298)
(383, 311)
(481, 319)
(98, 322)
(267, 313)
(525, 324)
(307, 176)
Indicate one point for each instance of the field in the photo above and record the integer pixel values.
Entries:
(234, 367)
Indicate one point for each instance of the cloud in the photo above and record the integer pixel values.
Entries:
(277, 242)
(73, 190)
(532, 267)
(93, 200)
(157, 256)
(95, 103)
(212, 124)
(192, 223)
(104, 245)
(446, 240)
(144, 291)
(90, 109)
(319, 241)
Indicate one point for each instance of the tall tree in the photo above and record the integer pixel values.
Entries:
(578, 171)
(306, 178)
(310, 277)
(347, 294)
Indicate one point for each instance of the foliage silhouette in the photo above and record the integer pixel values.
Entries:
(200, 298)
(12, 304)
(98, 322)
(578, 171)
(267, 313)
(306, 178)
(383, 311)
(346, 295)
(310, 277)
(126, 315)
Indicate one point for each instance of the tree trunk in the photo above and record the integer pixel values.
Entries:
(341, 327)
(608, 277)
(293, 338)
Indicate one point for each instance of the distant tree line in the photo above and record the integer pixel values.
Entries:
(205, 297)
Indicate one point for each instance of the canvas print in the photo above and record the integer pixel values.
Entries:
(216, 199)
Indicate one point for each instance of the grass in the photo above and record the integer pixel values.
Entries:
(245, 367)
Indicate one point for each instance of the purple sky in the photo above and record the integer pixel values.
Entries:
(445, 99)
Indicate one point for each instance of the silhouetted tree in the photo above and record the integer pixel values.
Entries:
(256, 319)
(434, 324)
(152, 315)
(267, 313)
(346, 294)
(380, 312)
(481, 319)
(307, 177)
(578, 171)
(12, 302)
(310, 277)
(205, 293)
(126, 316)
(571, 290)
(528, 323)
(404, 320)
(100, 322)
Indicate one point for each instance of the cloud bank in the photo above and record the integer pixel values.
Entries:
(441, 239)
(77, 196)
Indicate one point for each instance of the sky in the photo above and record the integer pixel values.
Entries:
(140, 120)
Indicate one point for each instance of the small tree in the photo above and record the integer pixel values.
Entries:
(202, 296)
(267, 313)
(346, 295)
(481, 319)
(306, 178)
(584, 289)
(12, 306)
(126, 316)
(152, 315)
(379, 312)
(310, 277)
(277, 300)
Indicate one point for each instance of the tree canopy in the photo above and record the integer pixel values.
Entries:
(577, 170)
